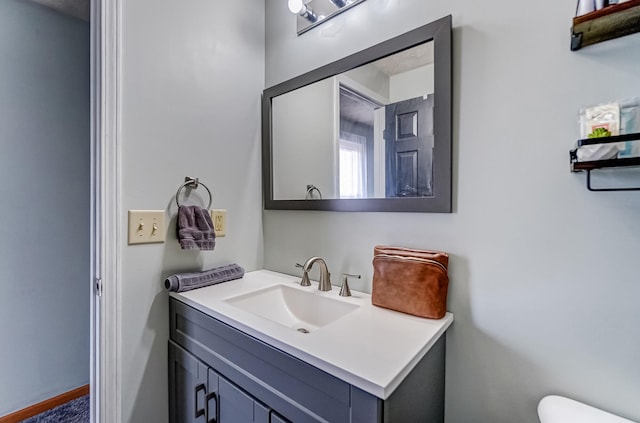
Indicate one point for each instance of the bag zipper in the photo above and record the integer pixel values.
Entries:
(419, 259)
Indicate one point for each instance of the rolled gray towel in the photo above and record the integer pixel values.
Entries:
(187, 281)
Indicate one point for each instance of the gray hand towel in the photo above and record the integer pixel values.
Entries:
(187, 281)
(195, 228)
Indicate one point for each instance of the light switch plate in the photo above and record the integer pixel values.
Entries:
(219, 218)
(146, 226)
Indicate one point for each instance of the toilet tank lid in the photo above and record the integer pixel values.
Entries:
(557, 409)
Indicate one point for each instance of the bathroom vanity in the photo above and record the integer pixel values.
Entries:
(265, 349)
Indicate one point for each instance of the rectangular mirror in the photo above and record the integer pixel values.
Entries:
(370, 132)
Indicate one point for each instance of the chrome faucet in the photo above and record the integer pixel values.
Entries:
(325, 276)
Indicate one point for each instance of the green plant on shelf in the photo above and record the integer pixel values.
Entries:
(600, 133)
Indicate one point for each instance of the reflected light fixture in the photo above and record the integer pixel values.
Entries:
(298, 7)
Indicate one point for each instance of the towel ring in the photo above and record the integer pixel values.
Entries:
(194, 183)
(310, 189)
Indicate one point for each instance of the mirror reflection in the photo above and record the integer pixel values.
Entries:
(365, 133)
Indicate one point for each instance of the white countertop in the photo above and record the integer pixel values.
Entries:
(371, 348)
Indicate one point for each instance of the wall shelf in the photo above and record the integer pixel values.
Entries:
(605, 24)
(588, 166)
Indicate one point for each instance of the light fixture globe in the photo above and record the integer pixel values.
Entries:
(296, 6)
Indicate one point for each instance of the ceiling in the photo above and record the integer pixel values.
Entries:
(77, 8)
(406, 60)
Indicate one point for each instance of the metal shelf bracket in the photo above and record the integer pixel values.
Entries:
(591, 188)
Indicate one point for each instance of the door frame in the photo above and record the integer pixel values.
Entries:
(352, 85)
(105, 373)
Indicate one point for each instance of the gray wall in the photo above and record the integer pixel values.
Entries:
(44, 186)
(303, 132)
(544, 276)
(192, 73)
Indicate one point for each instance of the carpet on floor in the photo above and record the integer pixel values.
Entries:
(76, 411)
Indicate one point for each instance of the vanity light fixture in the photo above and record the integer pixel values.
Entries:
(298, 7)
(312, 13)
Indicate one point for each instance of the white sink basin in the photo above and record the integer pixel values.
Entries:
(294, 308)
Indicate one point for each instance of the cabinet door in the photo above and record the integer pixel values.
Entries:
(235, 406)
(187, 387)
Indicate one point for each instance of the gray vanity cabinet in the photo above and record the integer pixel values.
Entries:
(199, 394)
(223, 374)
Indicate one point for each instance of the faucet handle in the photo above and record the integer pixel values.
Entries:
(345, 291)
(305, 276)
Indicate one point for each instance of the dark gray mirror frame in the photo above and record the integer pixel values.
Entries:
(439, 32)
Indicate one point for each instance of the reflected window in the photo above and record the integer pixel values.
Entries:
(353, 165)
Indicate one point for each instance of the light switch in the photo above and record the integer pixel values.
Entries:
(219, 218)
(146, 226)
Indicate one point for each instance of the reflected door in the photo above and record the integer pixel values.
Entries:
(409, 148)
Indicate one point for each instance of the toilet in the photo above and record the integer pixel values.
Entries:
(557, 409)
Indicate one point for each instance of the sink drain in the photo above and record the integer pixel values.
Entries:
(303, 330)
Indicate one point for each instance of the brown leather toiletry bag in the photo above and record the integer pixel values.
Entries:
(411, 281)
